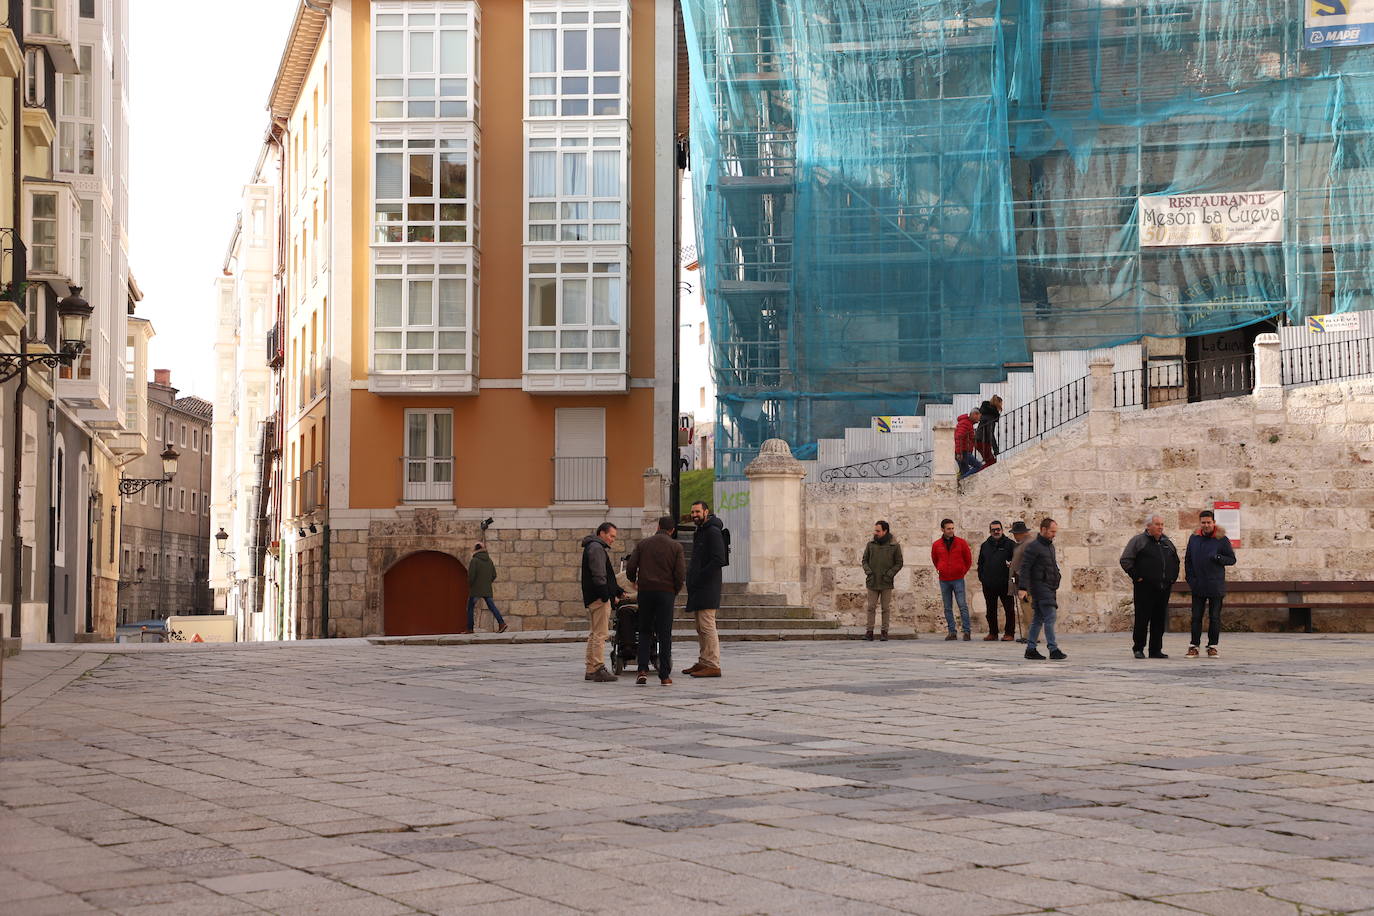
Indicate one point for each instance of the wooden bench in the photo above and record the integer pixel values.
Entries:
(1297, 597)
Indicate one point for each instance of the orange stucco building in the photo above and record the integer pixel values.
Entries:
(475, 294)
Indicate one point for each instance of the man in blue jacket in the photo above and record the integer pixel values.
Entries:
(1204, 566)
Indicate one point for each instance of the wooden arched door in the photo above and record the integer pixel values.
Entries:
(424, 594)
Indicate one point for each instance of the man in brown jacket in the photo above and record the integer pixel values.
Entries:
(658, 566)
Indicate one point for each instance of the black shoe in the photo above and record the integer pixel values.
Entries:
(882, 637)
(1058, 656)
(868, 635)
(951, 637)
(1034, 654)
(1158, 655)
(967, 636)
(1139, 654)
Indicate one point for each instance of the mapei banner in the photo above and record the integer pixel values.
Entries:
(1245, 218)
(1338, 23)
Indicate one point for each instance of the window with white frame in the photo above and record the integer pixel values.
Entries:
(76, 129)
(420, 317)
(576, 316)
(577, 61)
(421, 192)
(87, 239)
(36, 69)
(43, 232)
(576, 189)
(429, 455)
(422, 60)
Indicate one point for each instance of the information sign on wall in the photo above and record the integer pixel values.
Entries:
(1346, 321)
(1338, 23)
(1228, 517)
(1245, 218)
(897, 424)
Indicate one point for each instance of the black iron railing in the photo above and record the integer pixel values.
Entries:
(14, 19)
(1327, 362)
(275, 352)
(915, 466)
(1184, 381)
(579, 480)
(13, 266)
(1032, 420)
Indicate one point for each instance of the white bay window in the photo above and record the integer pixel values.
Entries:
(577, 59)
(422, 323)
(576, 188)
(575, 320)
(421, 190)
(423, 60)
(76, 125)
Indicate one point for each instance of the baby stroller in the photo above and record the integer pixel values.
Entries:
(625, 633)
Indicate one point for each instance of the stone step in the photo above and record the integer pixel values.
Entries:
(741, 623)
(569, 636)
(750, 610)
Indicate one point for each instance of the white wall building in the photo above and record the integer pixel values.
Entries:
(696, 385)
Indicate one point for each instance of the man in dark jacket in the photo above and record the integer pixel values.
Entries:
(481, 574)
(658, 566)
(952, 559)
(994, 569)
(599, 589)
(1151, 560)
(1022, 536)
(709, 557)
(1204, 566)
(1039, 574)
(985, 434)
(882, 561)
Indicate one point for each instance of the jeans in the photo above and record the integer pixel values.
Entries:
(491, 606)
(968, 463)
(991, 597)
(1151, 616)
(949, 591)
(876, 596)
(656, 631)
(1043, 614)
(1212, 605)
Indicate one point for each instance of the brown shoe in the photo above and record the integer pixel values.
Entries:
(883, 636)
(665, 682)
(601, 676)
(967, 636)
(641, 679)
(503, 628)
(1213, 652)
(868, 635)
(1191, 653)
(693, 670)
(991, 637)
(704, 671)
(1008, 638)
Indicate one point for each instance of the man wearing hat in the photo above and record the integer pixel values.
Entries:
(1022, 535)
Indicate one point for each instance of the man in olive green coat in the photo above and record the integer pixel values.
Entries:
(481, 574)
(882, 562)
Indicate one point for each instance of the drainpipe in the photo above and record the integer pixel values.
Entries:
(17, 529)
(92, 527)
(52, 521)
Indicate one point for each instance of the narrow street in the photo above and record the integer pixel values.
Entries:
(815, 777)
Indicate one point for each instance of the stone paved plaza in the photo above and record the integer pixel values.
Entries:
(816, 777)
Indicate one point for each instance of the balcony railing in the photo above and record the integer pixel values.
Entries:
(275, 353)
(14, 19)
(1327, 362)
(426, 479)
(13, 266)
(1183, 381)
(579, 480)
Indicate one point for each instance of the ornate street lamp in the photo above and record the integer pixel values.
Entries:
(222, 543)
(128, 486)
(74, 317)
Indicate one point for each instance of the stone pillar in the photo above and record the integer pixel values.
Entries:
(1268, 373)
(775, 521)
(1102, 416)
(943, 465)
(655, 500)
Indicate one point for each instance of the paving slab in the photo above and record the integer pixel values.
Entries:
(819, 775)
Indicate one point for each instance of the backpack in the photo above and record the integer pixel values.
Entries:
(725, 536)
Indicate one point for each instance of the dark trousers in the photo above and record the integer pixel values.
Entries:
(1151, 616)
(985, 452)
(491, 606)
(990, 598)
(656, 631)
(1212, 605)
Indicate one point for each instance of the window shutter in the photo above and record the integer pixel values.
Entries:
(580, 432)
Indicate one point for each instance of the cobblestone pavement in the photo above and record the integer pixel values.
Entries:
(816, 777)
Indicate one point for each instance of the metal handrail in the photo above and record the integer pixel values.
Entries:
(579, 479)
(914, 466)
(1032, 420)
(1183, 381)
(1327, 362)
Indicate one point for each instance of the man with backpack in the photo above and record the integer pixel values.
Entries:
(710, 555)
(599, 591)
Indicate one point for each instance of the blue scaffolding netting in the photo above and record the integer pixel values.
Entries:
(896, 199)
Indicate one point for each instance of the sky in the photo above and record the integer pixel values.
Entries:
(198, 113)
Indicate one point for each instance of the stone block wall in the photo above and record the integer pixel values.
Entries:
(1301, 465)
(538, 584)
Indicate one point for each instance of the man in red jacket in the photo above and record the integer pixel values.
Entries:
(965, 445)
(952, 559)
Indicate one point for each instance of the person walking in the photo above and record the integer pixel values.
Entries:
(1022, 535)
(709, 557)
(965, 447)
(952, 559)
(882, 561)
(1205, 560)
(1039, 574)
(1151, 560)
(985, 435)
(599, 589)
(994, 571)
(481, 574)
(658, 565)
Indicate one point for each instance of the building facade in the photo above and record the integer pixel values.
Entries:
(69, 430)
(165, 547)
(480, 329)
